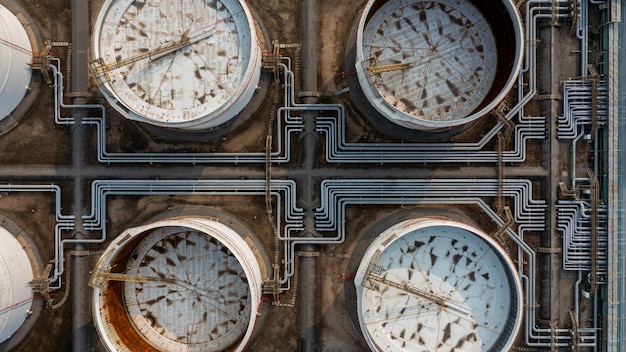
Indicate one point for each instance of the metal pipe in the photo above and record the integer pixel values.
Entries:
(573, 158)
(292, 124)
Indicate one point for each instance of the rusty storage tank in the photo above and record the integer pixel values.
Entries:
(179, 284)
(186, 65)
(431, 65)
(433, 284)
(15, 56)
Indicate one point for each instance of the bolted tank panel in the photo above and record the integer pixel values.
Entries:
(432, 65)
(189, 65)
(433, 284)
(15, 56)
(188, 284)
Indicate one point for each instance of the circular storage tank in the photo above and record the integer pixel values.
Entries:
(437, 64)
(15, 56)
(437, 285)
(190, 65)
(16, 294)
(184, 284)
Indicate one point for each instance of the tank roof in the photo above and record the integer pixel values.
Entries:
(16, 295)
(435, 64)
(15, 55)
(188, 283)
(192, 64)
(437, 285)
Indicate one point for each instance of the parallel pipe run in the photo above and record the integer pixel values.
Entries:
(339, 150)
(526, 210)
(100, 189)
(577, 107)
(292, 124)
(334, 193)
(63, 222)
(534, 12)
(574, 224)
(529, 212)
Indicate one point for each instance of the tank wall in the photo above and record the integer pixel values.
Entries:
(506, 27)
(16, 295)
(109, 308)
(372, 264)
(15, 72)
(128, 100)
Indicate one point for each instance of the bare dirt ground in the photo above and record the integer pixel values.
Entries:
(37, 140)
(336, 20)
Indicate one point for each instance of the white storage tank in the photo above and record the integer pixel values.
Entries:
(15, 58)
(16, 293)
(433, 284)
(188, 65)
(180, 284)
(437, 64)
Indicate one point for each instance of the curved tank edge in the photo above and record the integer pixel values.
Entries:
(410, 122)
(388, 236)
(235, 243)
(225, 113)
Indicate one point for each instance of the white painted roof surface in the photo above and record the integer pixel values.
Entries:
(197, 86)
(15, 57)
(450, 54)
(196, 287)
(16, 295)
(437, 285)
(208, 303)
